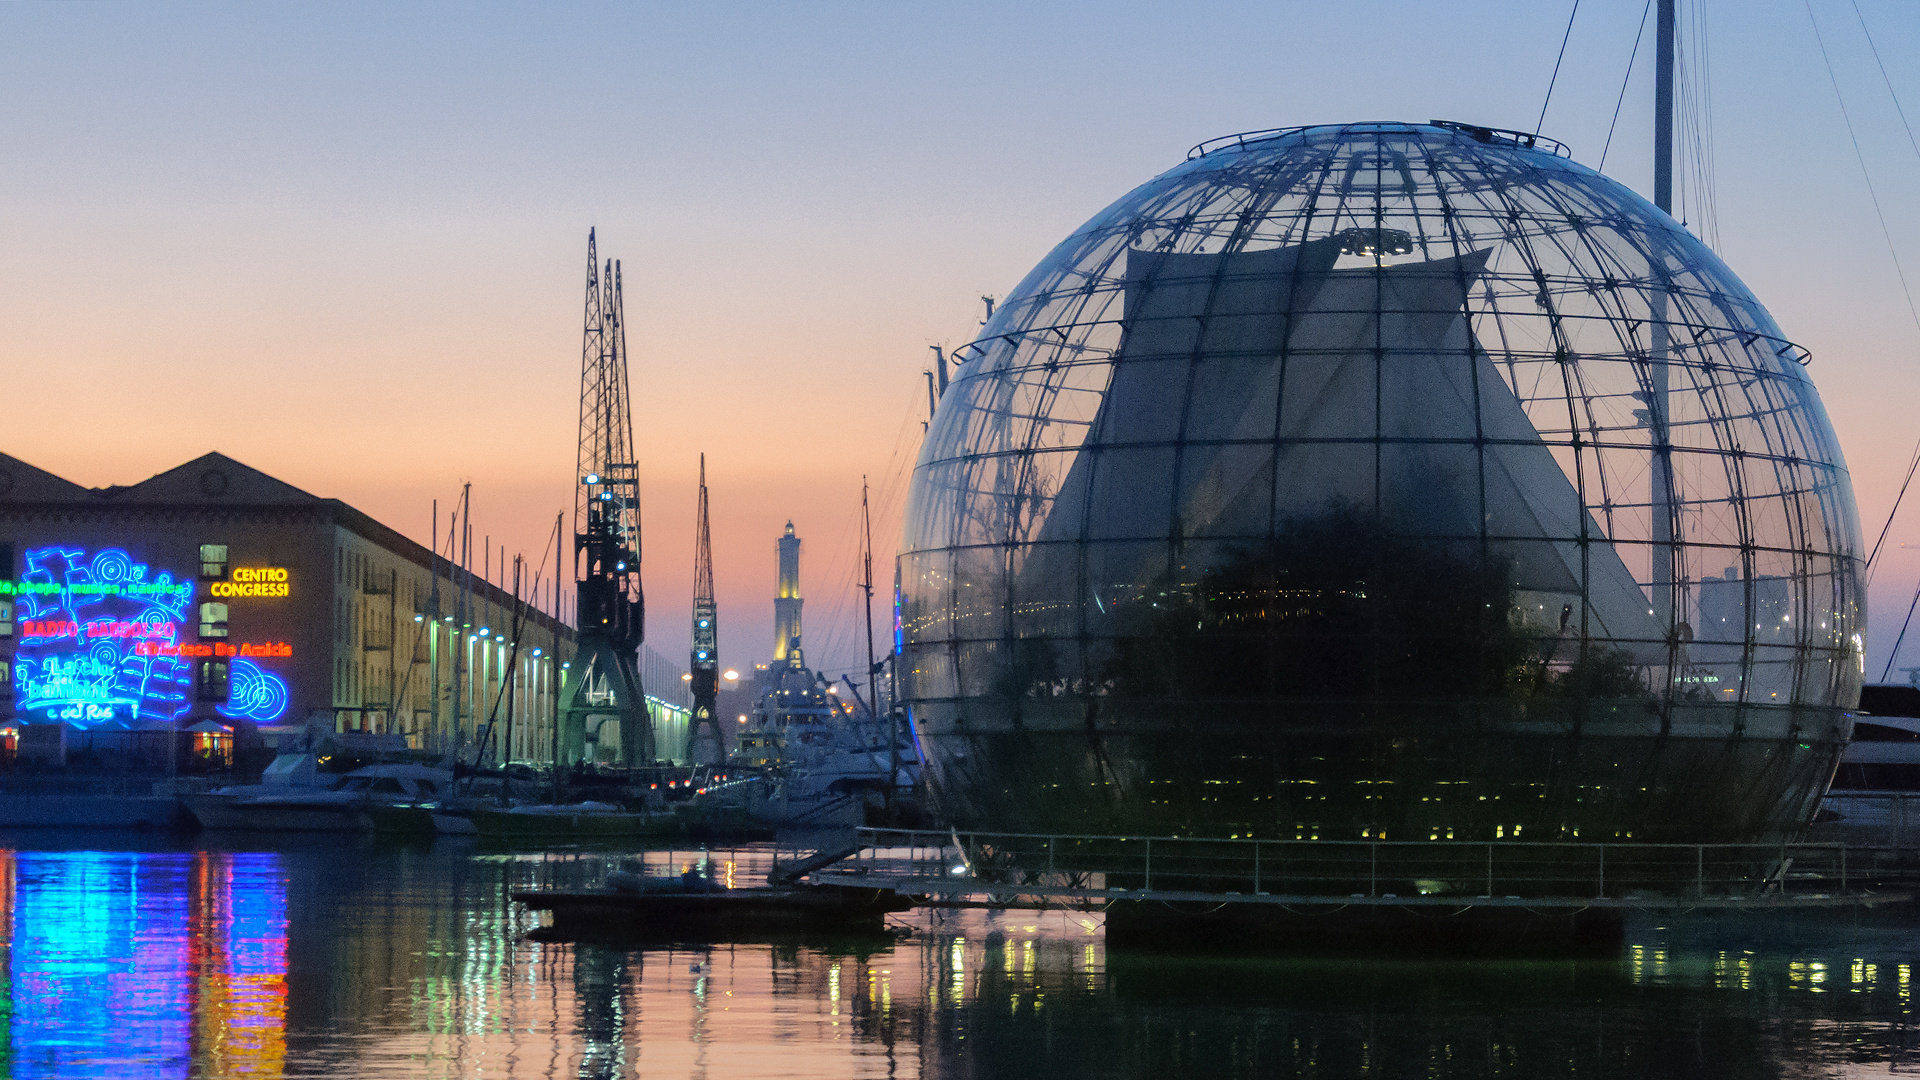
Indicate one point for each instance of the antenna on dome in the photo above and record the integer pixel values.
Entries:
(940, 366)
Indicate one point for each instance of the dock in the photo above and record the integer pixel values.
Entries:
(1474, 896)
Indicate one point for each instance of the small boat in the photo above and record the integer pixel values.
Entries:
(579, 821)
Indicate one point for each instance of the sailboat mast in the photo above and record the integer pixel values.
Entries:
(866, 524)
(433, 629)
(706, 747)
(464, 671)
(1663, 107)
(553, 656)
(1665, 553)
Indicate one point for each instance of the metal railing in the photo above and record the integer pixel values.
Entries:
(1374, 869)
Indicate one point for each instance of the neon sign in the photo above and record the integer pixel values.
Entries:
(82, 615)
(262, 581)
(161, 589)
(258, 695)
(105, 628)
(213, 648)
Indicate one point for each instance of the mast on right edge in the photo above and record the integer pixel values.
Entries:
(1667, 568)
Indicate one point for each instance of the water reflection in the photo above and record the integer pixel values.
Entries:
(324, 960)
(132, 964)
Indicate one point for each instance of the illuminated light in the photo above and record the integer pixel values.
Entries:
(255, 589)
(92, 611)
(257, 694)
(731, 675)
(590, 478)
(833, 689)
(419, 618)
(536, 654)
(213, 648)
(565, 666)
(685, 677)
(99, 628)
(743, 718)
(619, 566)
(162, 588)
(484, 632)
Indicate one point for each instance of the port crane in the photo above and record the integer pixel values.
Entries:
(604, 687)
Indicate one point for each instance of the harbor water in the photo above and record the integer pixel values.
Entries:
(127, 956)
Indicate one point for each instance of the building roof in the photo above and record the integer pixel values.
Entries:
(21, 483)
(215, 481)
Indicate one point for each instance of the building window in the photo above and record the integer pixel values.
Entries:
(213, 619)
(213, 749)
(213, 561)
(212, 680)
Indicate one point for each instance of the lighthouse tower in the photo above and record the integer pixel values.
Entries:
(786, 604)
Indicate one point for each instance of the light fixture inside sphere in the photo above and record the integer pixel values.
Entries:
(1402, 481)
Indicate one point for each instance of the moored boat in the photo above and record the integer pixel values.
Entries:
(578, 821)
(343, 807)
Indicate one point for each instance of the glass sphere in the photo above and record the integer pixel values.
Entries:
(1381, 480)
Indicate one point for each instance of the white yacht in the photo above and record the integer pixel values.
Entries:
(309, 801)
(1884, 755)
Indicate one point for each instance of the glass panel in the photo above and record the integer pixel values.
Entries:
(926, 588)
(979, 592)
(1131, 494)
(1044, 597)
(927, 672)
(1226, 490)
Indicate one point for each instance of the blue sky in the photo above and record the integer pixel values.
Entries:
(266, 227)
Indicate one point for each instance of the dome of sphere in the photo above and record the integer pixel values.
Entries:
(1381, 480)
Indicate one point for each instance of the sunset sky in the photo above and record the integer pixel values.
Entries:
(345, 243)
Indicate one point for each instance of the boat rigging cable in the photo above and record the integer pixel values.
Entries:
(1541, 124)
(509, 683)
(1637, 38)
(1699, 183)
(1914, 463)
